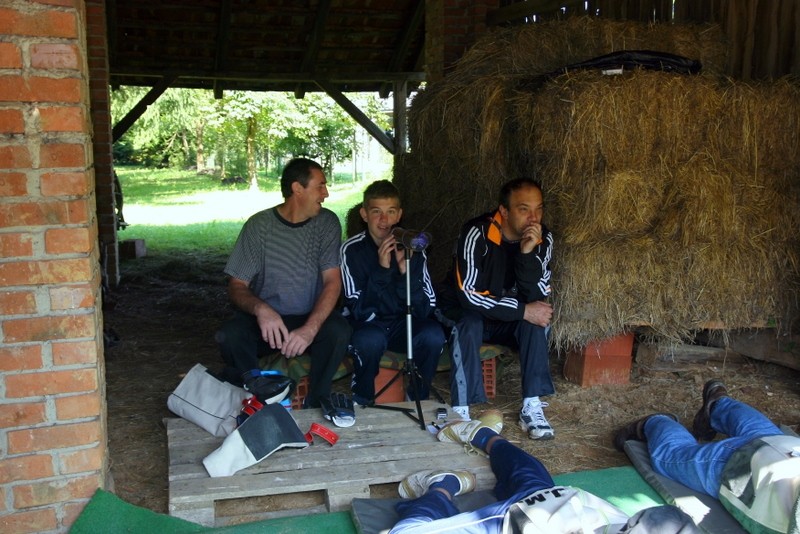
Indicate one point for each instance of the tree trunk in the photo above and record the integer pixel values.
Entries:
(251, 153)
(199, 155)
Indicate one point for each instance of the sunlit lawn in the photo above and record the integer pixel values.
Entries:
(175, 210)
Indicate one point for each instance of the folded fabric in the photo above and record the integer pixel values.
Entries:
(268, 430)
(338, 408)
(208, 402)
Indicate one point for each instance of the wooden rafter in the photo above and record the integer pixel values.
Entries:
(223, 42)
(310, 56)
(152, 95)
(409, 31)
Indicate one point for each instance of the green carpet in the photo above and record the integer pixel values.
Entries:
(107, 513)
(621, 486)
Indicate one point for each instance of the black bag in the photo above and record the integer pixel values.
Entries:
(269, 387)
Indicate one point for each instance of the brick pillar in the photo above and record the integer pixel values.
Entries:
(53, 453)
(451, 27)
(97, 51)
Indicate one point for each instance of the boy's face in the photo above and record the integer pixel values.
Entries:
(381, 215)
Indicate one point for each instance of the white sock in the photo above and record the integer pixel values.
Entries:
(463, 412)
(530, 402)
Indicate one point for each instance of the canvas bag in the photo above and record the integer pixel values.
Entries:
(207, 402)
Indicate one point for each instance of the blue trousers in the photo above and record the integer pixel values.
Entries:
(466, 338)
(518, 475)
(370, 340)
(676, 454)
(241, 345)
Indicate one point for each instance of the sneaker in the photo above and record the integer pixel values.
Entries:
(463, 431)
(701, 427)
(462, 412)
(417, 485)
(533, 421)
(634, 431)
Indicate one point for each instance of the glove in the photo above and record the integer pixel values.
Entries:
(268, 430)
(338, 408)
(269, 387)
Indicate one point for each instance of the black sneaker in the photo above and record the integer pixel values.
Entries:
(701, 427)
(635, 431)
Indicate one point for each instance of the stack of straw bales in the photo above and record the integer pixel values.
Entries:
(674, 199)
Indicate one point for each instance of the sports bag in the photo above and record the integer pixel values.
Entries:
(207, 401)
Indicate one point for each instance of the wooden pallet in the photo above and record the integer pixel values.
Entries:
(382, 447)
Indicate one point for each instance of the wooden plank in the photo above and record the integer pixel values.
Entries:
(382, 447)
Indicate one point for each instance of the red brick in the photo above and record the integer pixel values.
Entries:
(16, 245)
(71, 297)
(60, 436)
(30, 467)
(20, 358)
(64, 183)
(74, 352)
(10, 56)
(40, 23)
(44, 213)
(78, 406)
(11, 120)
(39, 89)
(44, 272)
(71, 511)
(22, 414)
(14, 157)
(3, 506)
(51, 383)
(53, 492)
(69, 240)
(33, 521)
(13, 184)
(82, 460)
(62, 155)
(54, 56)
(62, 119)
(17, 302)
(48, 328)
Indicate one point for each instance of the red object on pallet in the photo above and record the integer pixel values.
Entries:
(606, 361)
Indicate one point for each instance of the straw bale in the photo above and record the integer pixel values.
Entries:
(675, 200)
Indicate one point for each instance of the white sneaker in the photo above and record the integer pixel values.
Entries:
(417, 484)
(533, 421)
(462, 412)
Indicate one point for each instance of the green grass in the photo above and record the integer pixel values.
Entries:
(181, 212)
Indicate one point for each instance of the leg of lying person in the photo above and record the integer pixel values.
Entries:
(518, 473)
(735, 418)
(676, 454)
(326, 351)
(368, 342)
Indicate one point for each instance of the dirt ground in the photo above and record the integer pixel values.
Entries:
(165, 312)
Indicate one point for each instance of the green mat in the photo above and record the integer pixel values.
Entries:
(107, 513)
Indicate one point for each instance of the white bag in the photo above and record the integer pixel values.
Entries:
(207, 402)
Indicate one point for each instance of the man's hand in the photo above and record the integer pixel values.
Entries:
(388, 246)
(539, 313)
(273, 331)
(298, 341)
(531, 237)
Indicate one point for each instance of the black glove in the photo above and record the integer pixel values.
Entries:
(338, 408)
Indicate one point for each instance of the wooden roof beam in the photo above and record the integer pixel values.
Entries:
(223, 42)
(136, 111)
(312, 50)
(359, 116)
(410, 30)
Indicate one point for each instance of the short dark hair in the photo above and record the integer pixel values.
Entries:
(298, 170)
(380, 189)
(514, 185)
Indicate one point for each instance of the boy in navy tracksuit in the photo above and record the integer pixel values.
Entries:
(374, 280)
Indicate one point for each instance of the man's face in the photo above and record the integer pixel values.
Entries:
(381, 214)
(313, 195)
(525, 208)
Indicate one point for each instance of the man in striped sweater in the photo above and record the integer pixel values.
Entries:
(284, 281)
